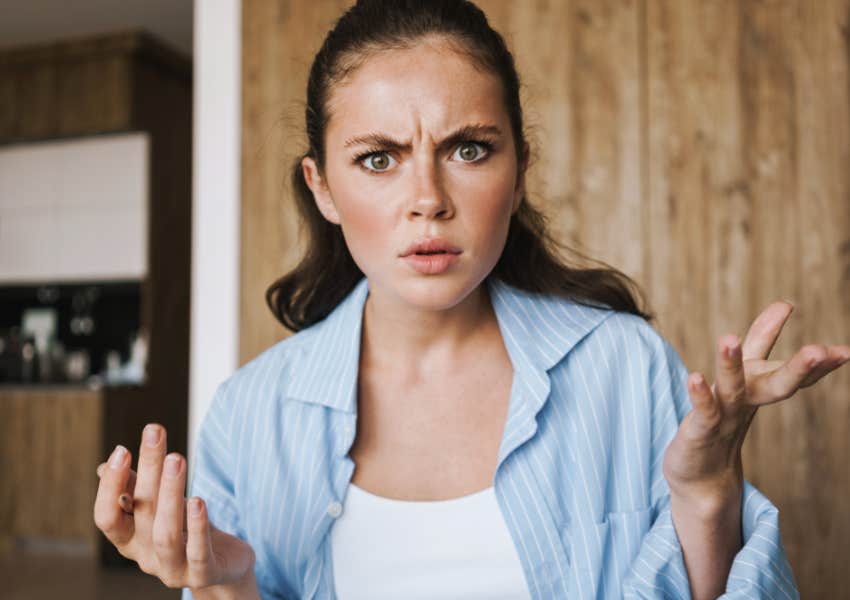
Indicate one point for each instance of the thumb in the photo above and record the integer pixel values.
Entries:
(198, 544)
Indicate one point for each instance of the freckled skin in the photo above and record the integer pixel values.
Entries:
(419, 95)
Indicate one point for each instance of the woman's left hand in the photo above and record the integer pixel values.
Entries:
(702, 464)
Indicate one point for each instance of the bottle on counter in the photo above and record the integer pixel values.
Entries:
(77, 365)
(56, 356)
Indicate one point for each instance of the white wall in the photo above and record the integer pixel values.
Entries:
(215, 205)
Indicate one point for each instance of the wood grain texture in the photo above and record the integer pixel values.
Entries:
(49, 443)
(47, 94)
(700, 147)
(76, 87)
(581, 97)
(748, 131)
(279, 42)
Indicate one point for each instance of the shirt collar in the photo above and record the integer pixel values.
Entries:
(538, 331)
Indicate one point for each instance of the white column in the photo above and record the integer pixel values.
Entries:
(215, 204)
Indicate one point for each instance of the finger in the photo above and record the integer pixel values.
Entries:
(117, 526)
(835, 357)
(730, 385)
(787, 379)
(151, 454)
(199, 542)
(131, 480)
(707, 408)
(168, 524)
(765, 330)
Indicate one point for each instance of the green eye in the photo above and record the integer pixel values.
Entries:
(473, 151)
(468, 152)
(379, 161)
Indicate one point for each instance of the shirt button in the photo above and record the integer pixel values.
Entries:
(335, 509)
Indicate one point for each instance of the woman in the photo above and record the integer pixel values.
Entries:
(473, 418)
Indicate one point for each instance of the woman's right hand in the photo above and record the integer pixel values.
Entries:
(182, 550)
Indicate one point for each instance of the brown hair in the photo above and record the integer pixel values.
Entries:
(529, 261)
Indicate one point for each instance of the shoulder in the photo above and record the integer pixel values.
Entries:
(625, 347)
(262, 376)
(632, 333)
(629, 352)
(553, 330)
(642, 337)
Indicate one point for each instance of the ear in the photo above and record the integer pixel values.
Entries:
(321, 192)
(519, 189)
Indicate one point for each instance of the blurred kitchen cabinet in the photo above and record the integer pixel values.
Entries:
(47, 444)
(74, 209)
(101, 90)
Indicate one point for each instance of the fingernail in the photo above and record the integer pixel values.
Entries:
(125, 502)
(693, 381)
(732, 352)
(194, 507)
(117, 458)
(151, 435)
(172, 466)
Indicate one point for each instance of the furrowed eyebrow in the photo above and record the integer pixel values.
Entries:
(388, 143)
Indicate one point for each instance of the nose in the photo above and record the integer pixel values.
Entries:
(429, 198)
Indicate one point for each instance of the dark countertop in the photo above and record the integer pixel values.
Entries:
(69, 386)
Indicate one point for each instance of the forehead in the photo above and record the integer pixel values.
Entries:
(429, 84)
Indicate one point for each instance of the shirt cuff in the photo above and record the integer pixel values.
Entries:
(760, 569)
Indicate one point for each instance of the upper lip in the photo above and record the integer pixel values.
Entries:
(431, 245)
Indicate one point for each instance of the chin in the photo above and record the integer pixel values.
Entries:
(435, 292)
(425, 292)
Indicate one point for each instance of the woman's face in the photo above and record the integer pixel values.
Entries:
(396, 172)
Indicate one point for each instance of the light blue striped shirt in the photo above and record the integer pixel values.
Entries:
(597, 396)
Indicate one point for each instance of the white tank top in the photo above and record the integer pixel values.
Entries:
(386, 549)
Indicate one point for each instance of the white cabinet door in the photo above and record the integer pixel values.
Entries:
(74, 210)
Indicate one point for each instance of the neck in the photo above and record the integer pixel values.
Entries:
(417, 343)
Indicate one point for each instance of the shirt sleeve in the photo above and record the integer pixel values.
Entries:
(760, 569)
(213, 474)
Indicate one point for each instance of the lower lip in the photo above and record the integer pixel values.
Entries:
(431, 264)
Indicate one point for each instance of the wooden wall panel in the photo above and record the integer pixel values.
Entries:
(279, 42)
(694, 175)
(748, 131)
(580, 90)
(700, 147)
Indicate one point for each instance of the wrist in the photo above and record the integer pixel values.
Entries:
(708, 527)
(708, 503)
(709, 498)
(244, 588)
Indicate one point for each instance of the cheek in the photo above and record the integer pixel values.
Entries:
(492, 214)
(364, 226)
